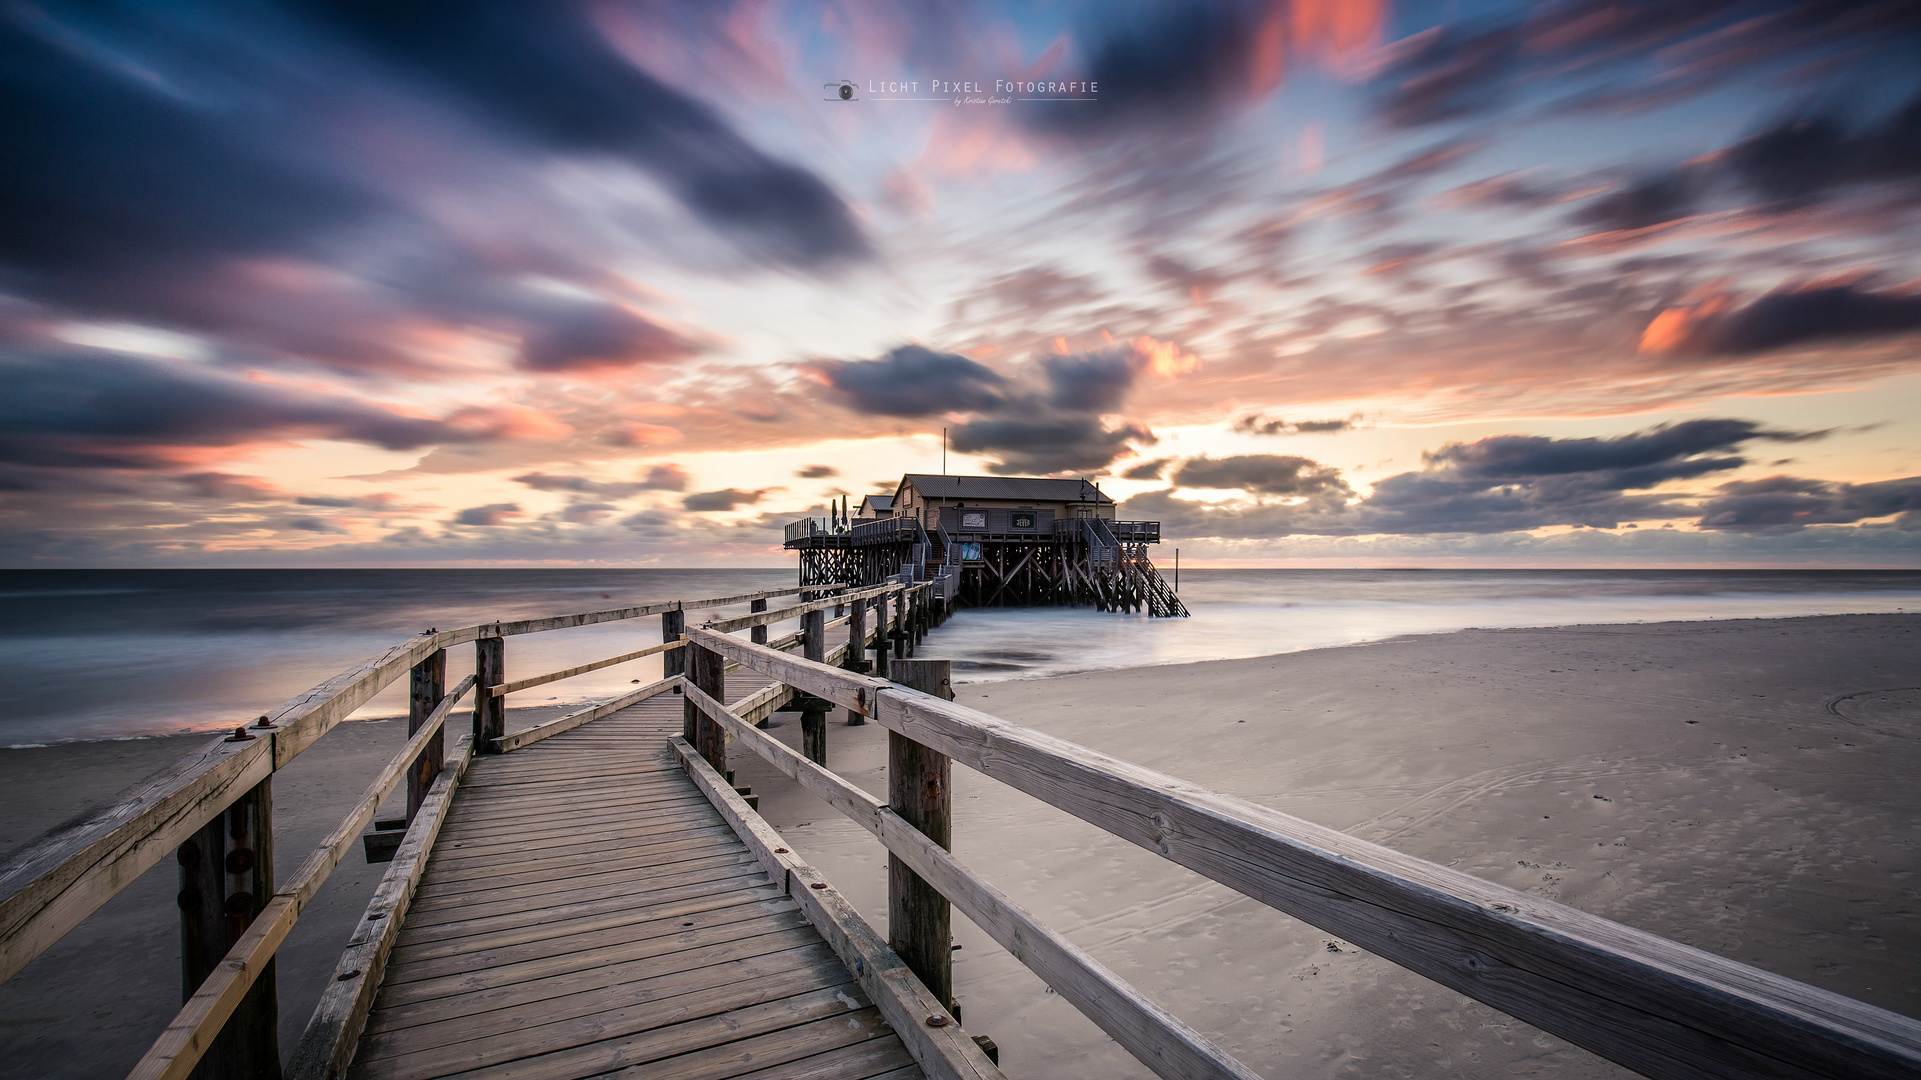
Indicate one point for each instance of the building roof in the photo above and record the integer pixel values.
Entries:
(877, 502)
(1019, 488)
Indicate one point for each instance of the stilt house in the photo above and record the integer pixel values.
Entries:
(992, 541)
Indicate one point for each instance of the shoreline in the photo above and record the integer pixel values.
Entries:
(1741, 833)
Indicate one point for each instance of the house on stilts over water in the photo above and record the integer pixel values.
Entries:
(991, 541)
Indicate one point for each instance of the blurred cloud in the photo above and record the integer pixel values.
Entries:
(1047, 416)
(724, 499)
(1256, 424)
(492, 515)
(1789, 316)
(545, 74)
(1786, 503)
(1166, 64)
(601, 336)
(912, 381)
(1264, 474)
(1502, 483)
(816, 472)
(106, 411)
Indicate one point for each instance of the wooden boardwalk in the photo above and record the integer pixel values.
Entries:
(587, 911)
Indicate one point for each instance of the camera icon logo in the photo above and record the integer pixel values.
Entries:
(843, 90)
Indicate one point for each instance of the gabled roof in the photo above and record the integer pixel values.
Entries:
(1020, 488)
(877, 502)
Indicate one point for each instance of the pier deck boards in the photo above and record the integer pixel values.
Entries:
(587, 911)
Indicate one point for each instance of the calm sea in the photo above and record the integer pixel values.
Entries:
(105, 654)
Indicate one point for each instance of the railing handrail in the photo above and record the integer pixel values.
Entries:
(50, 885)
(1654, 1005)
(1135, 1021)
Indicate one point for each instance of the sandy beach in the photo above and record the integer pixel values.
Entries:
(1742, 786)
(1745, 787)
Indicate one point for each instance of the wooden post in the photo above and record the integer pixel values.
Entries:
(490, 712)
(813, 722)
(919, 919)
(674, 662)
(226, 878)
(857, 650)
(707, 670)
(881, 634)
(758, 634)
(427, 686)
(896, 624)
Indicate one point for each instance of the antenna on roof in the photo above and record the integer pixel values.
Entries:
(943, 451)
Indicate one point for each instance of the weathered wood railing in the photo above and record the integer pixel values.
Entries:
(1656, 1006)
(213, 810)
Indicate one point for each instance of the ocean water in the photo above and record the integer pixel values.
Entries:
(105, 654)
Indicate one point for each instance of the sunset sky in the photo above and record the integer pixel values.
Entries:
(363, 283)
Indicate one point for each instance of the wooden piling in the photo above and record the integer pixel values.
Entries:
(857, 650)
(426, 686)
(919, 918)
(226, 878)
(758, 634)
(707, 670)
(490, 710)
(674, 662)
(813, 721)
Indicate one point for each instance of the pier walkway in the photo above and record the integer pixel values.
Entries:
(585, 909)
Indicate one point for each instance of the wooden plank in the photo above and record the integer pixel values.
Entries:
(1656, 1006)
(417, 944)
(477, 853)
(578, 1022)
(511, 859)
(1155, 1037)
(585, 870)
(399, 994)
(518, 739)
(579, 669)
(51, 885)
(537, 799)
(859, 1061)
(945, 1053)
(468, 894)
(816, 959)
(773, 1031)
(328, 1041)
(523, 995)
(777, 1047)
(570, 897)
(488, 954)
(478, 924)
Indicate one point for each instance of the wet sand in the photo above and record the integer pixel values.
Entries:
(1745, 787)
